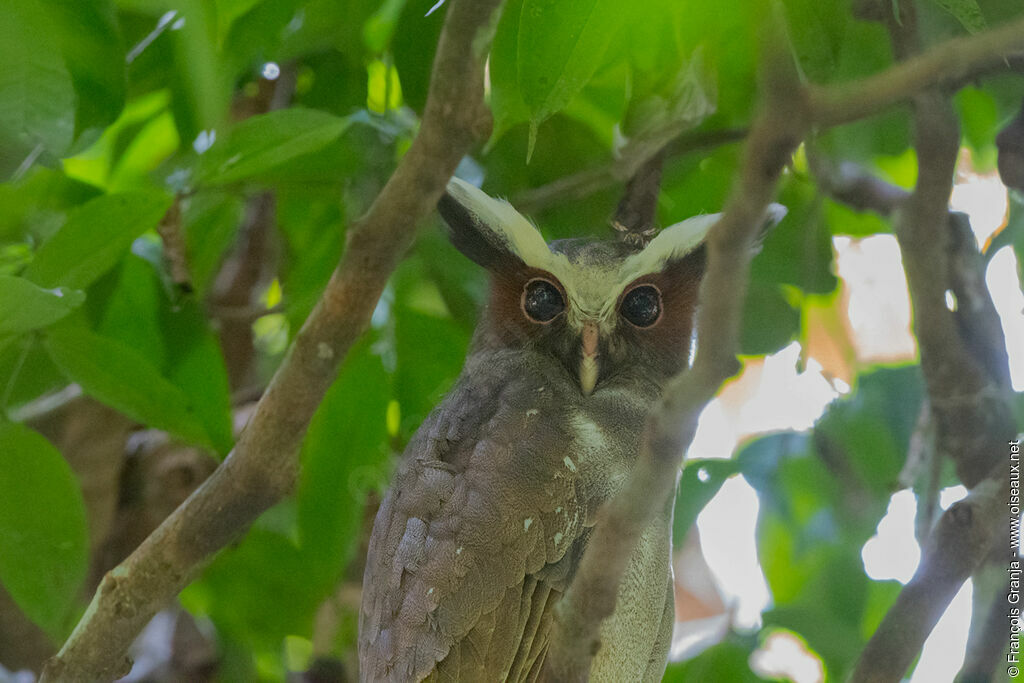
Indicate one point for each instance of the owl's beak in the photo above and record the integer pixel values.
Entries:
(588, 358)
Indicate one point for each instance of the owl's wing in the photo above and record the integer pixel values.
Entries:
(476, 539)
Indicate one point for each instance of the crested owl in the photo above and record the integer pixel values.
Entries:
(496, 495)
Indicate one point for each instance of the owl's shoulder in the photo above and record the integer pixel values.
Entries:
(484, 497)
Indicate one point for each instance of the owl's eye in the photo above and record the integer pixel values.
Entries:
(542, 301)
(641, 306)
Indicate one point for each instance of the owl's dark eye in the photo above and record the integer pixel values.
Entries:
(542, 301)
(641, 306)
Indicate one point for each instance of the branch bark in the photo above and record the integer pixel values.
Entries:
(967, 390)
(789, 112)
(963, 534)
(591, 598)
(262, 468)
(948, 65)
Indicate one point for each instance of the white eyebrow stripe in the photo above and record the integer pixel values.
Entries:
(673, 242)
(505, 223)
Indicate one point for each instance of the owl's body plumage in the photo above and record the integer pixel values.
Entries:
(495, 498)
(487, 519)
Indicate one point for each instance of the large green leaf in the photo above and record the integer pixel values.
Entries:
(343, 456)
(263, 142)
(798, 251)
(200, 81)
(93, 51)
(43, 535)
(254, 591)
(416, 36)
(25, 306)
(967, 12)
(121, 377)
(33, 208)
(37, 97)
(769, 321)
(816, 29)
(558, 47)
(195, 365)
(94, 238)
(700, 481)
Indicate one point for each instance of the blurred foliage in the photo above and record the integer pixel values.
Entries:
(253, 132)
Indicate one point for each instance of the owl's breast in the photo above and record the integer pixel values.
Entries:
(488, 512)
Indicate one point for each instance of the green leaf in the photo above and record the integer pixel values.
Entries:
(24, 306)
(35, 207)
(798, 251)
(37, 98)
(979, 119)
(195, 365)
(95, 237)
(506, 99)
(769, 321)
(254, 591)
(726, 662)
(201, 83)
(43, 535)
(343, 456)
(263, 142)
(94, 53)
(700, 481)
(116, 374)
(414, 45)
(816, 29)
(560, 44)
(967, 12)
(210, 221)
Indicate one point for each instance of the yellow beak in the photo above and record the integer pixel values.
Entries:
(588, 358)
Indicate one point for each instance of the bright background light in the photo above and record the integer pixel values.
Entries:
(773, 394)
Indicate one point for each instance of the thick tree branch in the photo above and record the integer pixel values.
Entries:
(963, 534)
(967, 390)
(262, 468)
(591, 598)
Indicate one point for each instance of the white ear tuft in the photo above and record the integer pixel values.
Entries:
(679, 239)
(505, 226)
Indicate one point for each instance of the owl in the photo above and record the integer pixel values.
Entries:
(496, 495)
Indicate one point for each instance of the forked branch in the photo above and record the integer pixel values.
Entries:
(262, 468)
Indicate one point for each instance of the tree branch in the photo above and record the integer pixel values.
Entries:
(634, 217)
(949, 64)
(963, 534)
(585, 183)
(967, 392)
(262, 468)
(591, 598)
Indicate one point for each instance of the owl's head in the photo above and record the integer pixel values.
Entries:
(599, 307)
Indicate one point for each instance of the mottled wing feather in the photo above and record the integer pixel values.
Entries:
(470, 546)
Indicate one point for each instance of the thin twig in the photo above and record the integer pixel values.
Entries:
(949, 64)
(634, 217)
(262, 468)
(622, 168)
